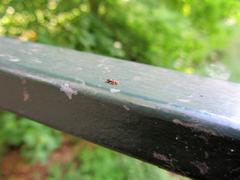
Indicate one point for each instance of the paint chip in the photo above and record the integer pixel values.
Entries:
(68, 90)
(184, 100)
(126, 107)
(25, 95)
(201, 166)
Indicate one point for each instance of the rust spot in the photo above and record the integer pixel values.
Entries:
(202, 167)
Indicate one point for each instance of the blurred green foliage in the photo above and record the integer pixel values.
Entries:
(178, 34)
(36, 141)
(101, 163)
(185, 35)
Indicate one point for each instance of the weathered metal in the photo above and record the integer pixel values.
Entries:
(183, 123)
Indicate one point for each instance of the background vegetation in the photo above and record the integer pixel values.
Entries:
(188, 35)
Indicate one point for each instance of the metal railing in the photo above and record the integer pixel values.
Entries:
(183, 123)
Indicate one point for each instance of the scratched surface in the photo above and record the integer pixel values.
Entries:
(170, 104)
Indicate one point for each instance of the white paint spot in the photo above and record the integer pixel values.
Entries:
(232, 150)
(113, 90)
(14, 59)
(184, 100)
(68, 90)
(79, 68)
(125, 107)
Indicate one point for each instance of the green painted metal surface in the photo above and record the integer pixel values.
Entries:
(177, 121)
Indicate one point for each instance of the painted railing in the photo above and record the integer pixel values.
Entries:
(183, 123)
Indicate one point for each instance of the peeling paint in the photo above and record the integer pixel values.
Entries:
(167, 159)
(68, 90)
(25, 95)
(201, 166)
(126, 107)
(161, 157)
(194, 126)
